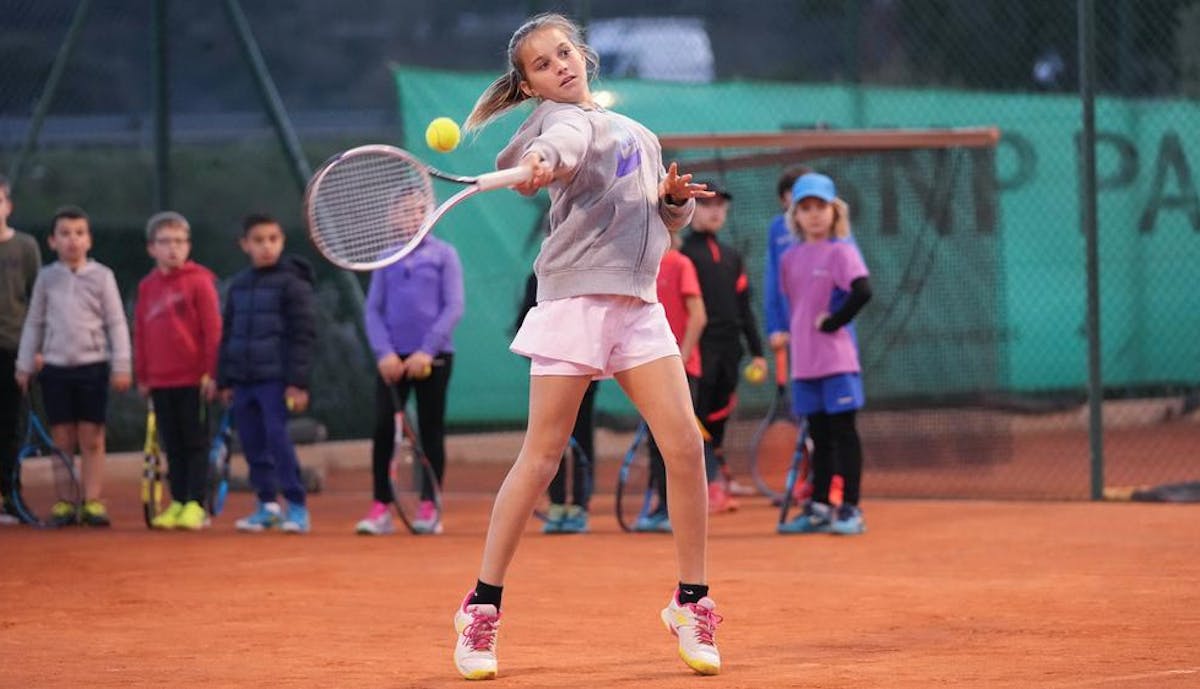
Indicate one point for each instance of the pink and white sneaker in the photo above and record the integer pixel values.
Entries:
(696, 626)
(378, 521)
(428, 520)
(477, 626)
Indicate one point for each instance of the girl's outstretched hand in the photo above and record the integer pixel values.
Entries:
(677, 188)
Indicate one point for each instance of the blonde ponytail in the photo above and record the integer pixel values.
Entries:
(500, 96)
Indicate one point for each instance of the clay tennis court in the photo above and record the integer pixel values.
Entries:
(938, 593)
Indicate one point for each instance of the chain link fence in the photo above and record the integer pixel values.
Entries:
(705, 67)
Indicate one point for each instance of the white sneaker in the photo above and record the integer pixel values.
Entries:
(378, 521)
(696, 626)
(475, 652)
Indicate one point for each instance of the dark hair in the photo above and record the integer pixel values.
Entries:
(789, 177)
(5, 184)
(255, 219)
(68, 213)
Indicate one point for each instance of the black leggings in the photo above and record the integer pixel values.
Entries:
(183, 428)
(431, 423)
(582, 477)
(836, 450)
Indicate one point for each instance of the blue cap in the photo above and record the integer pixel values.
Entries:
(814, 184)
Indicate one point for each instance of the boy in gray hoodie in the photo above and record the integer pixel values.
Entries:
(76, 341)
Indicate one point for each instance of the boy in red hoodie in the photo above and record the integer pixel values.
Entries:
(176, 333)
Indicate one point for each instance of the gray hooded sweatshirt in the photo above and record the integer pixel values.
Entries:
(75, 318)
(608, 228)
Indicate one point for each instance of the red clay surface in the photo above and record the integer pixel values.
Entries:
(938, 593)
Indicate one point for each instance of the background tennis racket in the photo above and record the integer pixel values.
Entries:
(636, 491)
(576, 460)
(801, 461)
(774, 442)
(411, 474)
(43, 473)
(218, 464)
(152, 470)
(370, 206)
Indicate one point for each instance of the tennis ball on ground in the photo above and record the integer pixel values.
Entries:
(443, 135)
(754, 374)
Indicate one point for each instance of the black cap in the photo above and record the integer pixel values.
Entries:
(714, 186)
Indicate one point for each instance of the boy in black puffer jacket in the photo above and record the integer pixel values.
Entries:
(263, 367)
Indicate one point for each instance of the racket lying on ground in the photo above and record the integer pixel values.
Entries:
(412, 478)
(218, 465)
(774, 442)
(152, 473)
(371, 206)
(42, 475)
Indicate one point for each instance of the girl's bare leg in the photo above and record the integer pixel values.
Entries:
(660, 392)
(553, 404)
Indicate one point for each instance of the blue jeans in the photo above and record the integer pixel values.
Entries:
(260, 416)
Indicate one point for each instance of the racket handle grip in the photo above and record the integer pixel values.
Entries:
(503, 178)
(782, 374)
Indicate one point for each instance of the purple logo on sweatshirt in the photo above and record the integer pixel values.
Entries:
(629, 156)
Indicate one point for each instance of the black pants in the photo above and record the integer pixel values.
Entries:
(10, 411)
(715, 394)
(183, 429)
(582, 475)
(836, 450)
(431, 423)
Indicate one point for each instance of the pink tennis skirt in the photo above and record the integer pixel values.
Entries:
(593, 335)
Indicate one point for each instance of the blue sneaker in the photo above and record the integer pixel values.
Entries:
(297, 519)
(267, 516)
(554, 518)
(575, 520)
(848, 521)
(656, 522)
(814, 518)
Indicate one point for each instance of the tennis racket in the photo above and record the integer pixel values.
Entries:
(43, 476)
(774, 441)
(577, 461)
(371, 206)
(800, 470)
(152, 473)
(415, 494)
(636, 490)
(218, 464)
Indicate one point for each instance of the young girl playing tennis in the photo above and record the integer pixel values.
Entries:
(826, 283)
(612, 207)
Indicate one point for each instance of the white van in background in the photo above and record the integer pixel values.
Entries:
(658, 48)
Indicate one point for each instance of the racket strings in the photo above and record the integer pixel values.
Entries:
(368, 206)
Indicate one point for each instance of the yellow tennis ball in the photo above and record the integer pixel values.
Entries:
(426, 372)
(754, 374)
(443, 135)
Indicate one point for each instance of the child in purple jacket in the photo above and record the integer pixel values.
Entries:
(412, 308)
